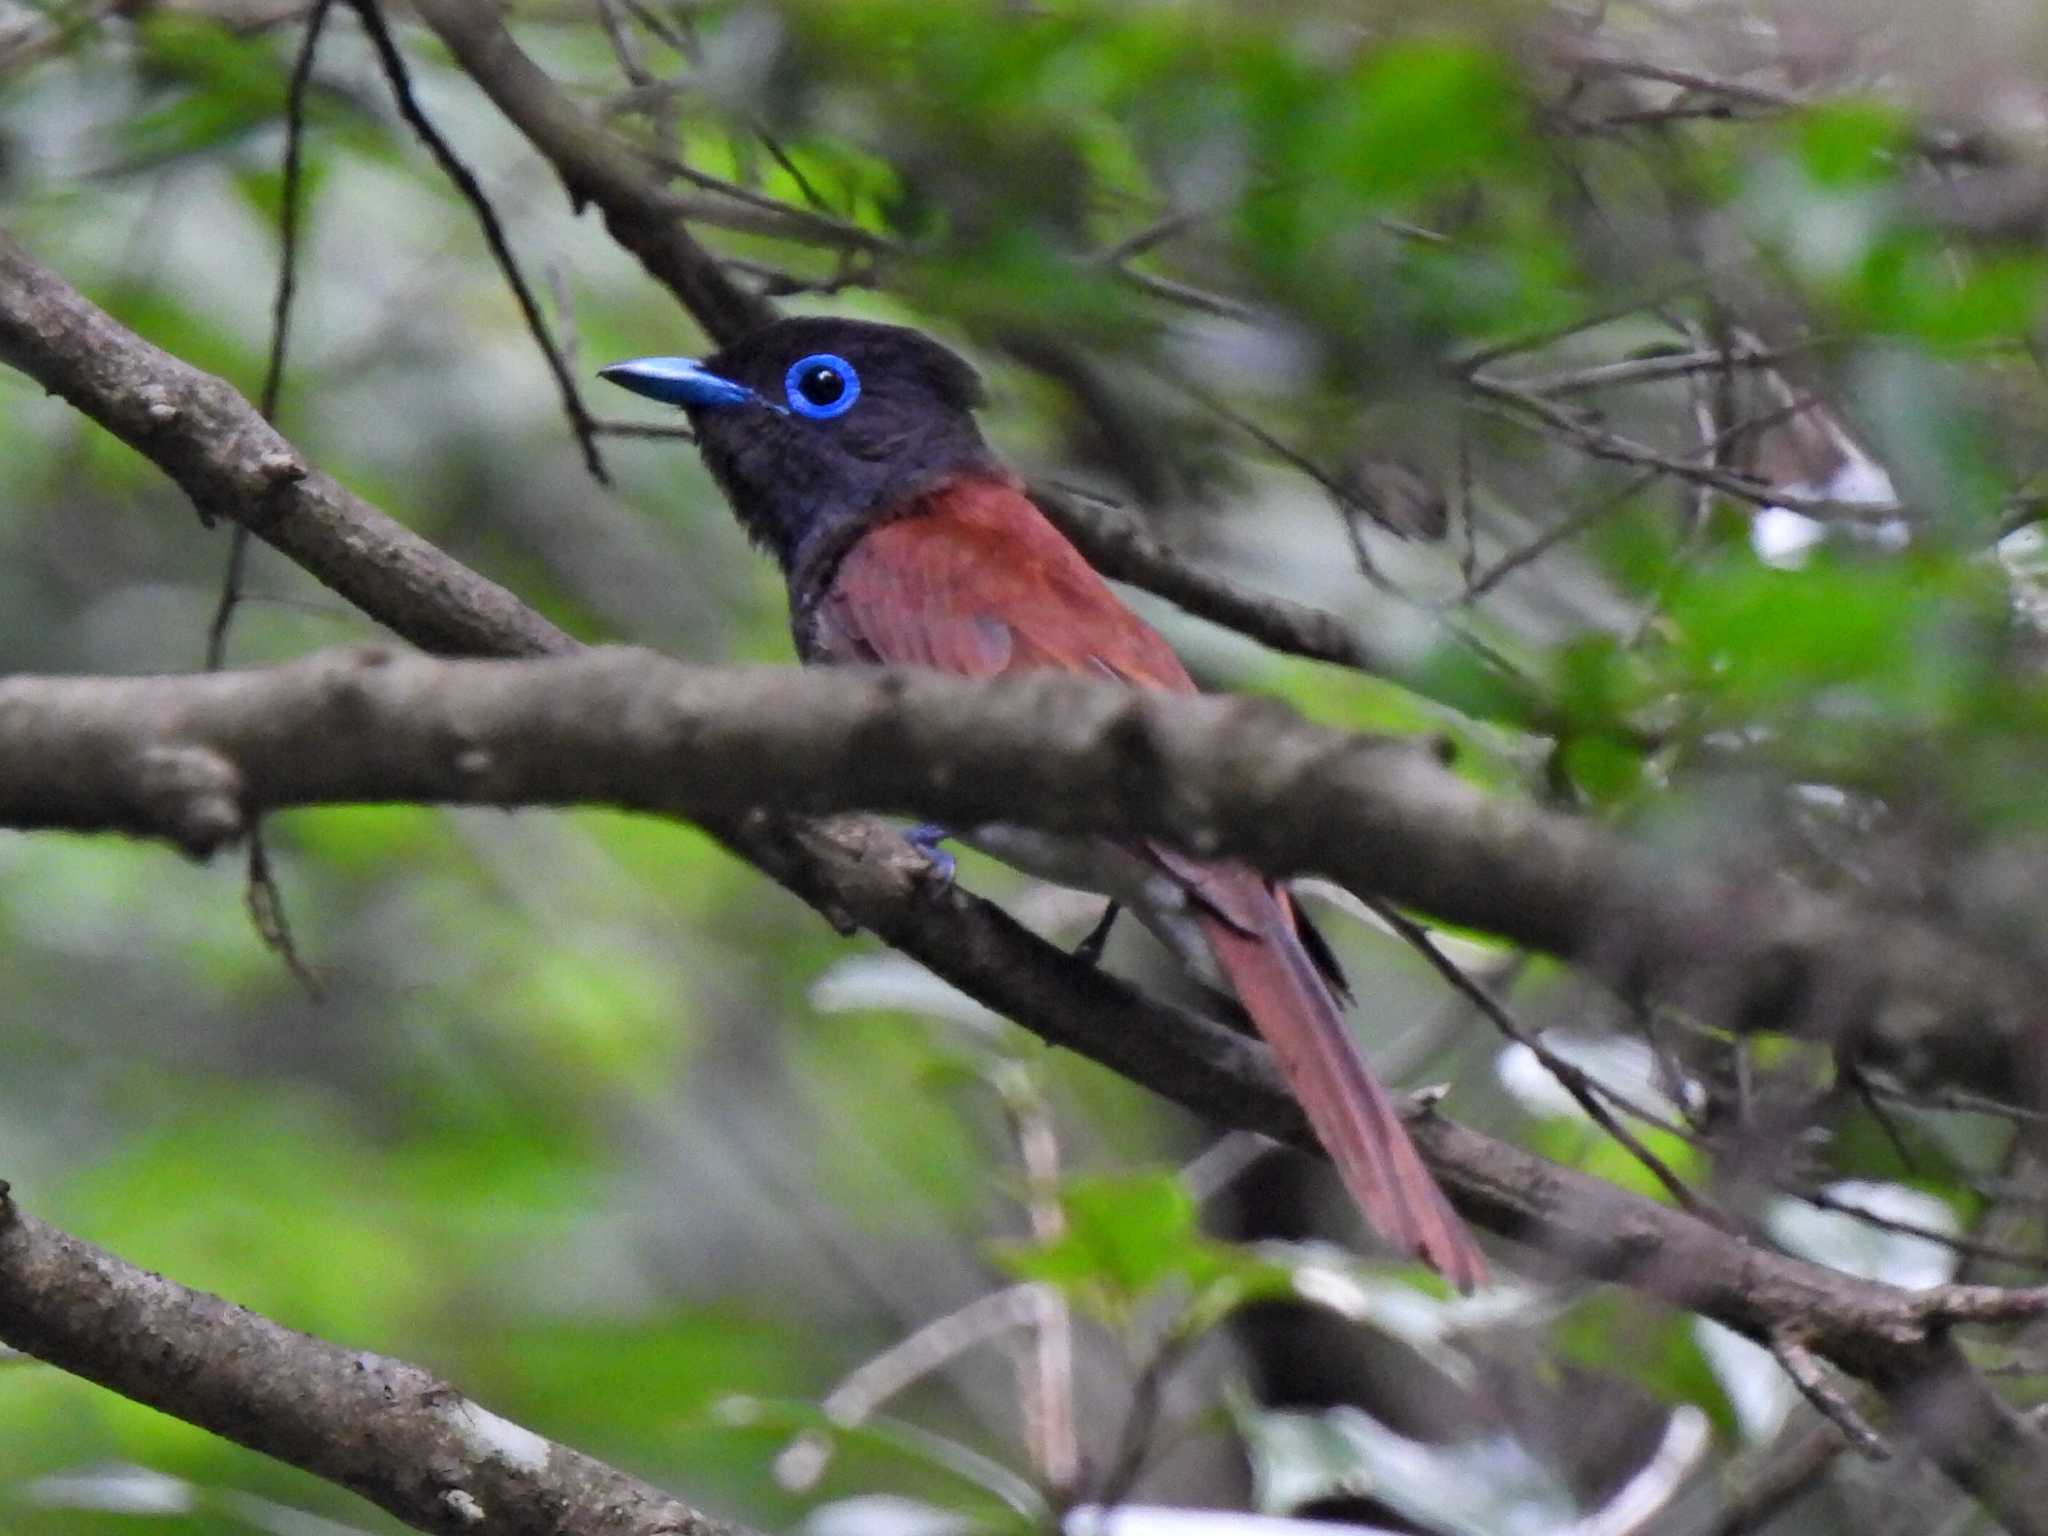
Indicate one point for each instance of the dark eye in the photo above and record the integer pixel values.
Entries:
(821, 386)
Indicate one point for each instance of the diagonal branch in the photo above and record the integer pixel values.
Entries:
(200, 431)
(392, 62)
(596, 166)
(401, 1438)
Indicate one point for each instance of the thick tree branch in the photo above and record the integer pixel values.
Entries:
(192, 758)
(384, 1429)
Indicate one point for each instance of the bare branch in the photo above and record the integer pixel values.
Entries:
(596, 167)
(400, 79)
(1828, 1399)
(202, 433)
(1117, 544)
(191, 758)
(1587, 1091)
(403, 1439)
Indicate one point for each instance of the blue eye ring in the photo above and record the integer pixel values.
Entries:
(817, 372)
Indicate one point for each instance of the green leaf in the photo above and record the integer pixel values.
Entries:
(1607, 768)
(1422, 115)
(1131, 1239)
(1851, 141)
(1909, 283)
(1125, 1234)
(1657, 1348)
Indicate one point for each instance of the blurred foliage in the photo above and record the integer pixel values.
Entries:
(617, 1135)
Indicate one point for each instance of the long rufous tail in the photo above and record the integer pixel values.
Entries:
(1352, 1115)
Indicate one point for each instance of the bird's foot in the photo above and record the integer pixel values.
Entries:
(1090, 948)
(925, 837)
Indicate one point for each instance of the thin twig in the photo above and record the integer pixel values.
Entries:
(642, 429)
(261, 894)
(1141, 1422)
(1531, 341)
(777, 283)
(1158, 232)
(267, 911)
(1708, 408)
(863, 1391)
(1533, 411)
(818, 226)
(1957, 1101)
(1783, 1478)
(1809, 1375)
(792, 170)
(1661, 368)
(1657, 117)
(1594, 63)
(1217, 1166)
(651, 19)
(400, 79)
(1188, 296)
(662, 108)
(659, 97)
(1570, 527)
(230, 598)
(280, 313)
(1585, 1090)
(1046, 1373)
(1976, 1247)
(1349, 505)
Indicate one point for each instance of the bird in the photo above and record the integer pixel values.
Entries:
(849, 450)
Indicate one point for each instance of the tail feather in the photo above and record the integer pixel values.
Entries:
(1352, 1115)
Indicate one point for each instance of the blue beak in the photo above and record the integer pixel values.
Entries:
(680, 381)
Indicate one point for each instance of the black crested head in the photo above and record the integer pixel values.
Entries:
(836, 422)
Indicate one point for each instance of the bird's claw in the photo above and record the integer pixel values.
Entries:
(1090, 948)
(925, 837)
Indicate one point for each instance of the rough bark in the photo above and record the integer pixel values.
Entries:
(397, 1435)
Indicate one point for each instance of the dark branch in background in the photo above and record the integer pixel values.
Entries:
(1118, 544)
(403, 1439)
(393, 64)
(596, 167)
(190, 757)
(1570, 527)
(860, 874)
(1587, 1092)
